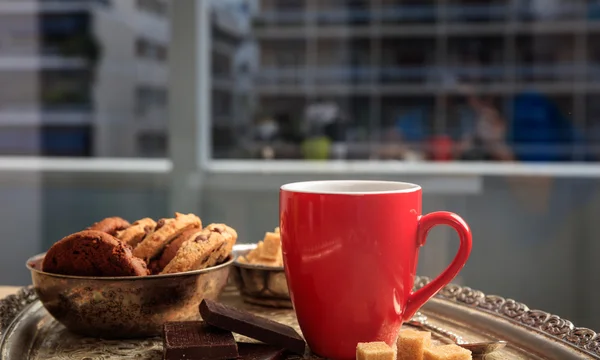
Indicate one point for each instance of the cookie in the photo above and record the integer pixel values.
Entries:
(199, 252)
(134, 234)
(166, 231)
(110, 225)
(92, 253)
(230, 236)
(158, 264)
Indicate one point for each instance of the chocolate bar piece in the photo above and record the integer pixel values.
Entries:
(197, 340)
(252, 326)
(251, 351)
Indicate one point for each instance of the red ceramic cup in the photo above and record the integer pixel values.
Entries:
(350, 250)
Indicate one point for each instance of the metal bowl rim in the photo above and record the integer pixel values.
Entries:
(248, 247)
(230, 260)
(257, 267)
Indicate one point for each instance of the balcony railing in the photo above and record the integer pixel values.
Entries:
(423, 13)
(276, 75)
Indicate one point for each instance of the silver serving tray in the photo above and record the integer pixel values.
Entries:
(29, 332)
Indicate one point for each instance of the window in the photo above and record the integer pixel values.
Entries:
(69, 35)
(392, 77)
(66, 89)
(66, 140)
(149, 98)
(47, 140)
(18, 34)
(152, 144)
(151, 50)
(280, 13)
(157, 7)
(64, 24)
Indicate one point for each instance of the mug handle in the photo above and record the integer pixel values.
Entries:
(427, 222)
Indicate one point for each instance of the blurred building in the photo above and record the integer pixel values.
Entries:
(234, 61)
(387, 60)
(131, 86)
(83, 78)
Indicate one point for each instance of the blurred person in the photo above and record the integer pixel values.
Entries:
(288, 128)
(326, 131)
(336, 131)
(321, 112)
(440, 148)
(487, 141)
(266, 131)
(540, 132)
(390, 147)
(411, 133)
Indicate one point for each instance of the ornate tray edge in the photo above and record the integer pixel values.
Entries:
(13, 305)
(544, 322)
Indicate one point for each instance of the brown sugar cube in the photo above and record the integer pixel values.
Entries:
(278, 261)
(271, 246)
(253, 255)
(374, 351)
(280, 258)
(411, 344)
(446, 352)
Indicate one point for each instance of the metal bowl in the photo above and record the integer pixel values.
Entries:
(128, 306)
(259, 284)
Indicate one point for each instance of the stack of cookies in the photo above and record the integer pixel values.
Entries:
(114, 247)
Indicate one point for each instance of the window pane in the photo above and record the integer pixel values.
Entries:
(435, 80)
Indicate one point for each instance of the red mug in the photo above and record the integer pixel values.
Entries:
(350, 250)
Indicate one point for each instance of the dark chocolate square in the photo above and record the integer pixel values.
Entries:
(252, 326)
(197, 340)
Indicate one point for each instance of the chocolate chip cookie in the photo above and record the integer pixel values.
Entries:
(157, 265)
(201, 250)
(166, 231)
(110, 225)
(134, 234)
(92, 253)
(230, 236)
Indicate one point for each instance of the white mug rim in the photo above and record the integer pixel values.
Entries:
(328, 187)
